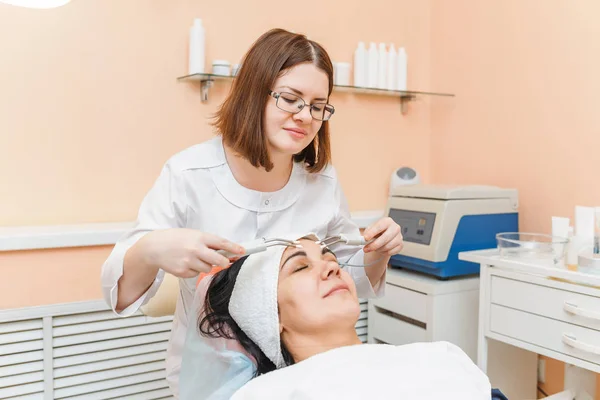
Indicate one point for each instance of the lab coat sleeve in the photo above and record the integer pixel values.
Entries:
(163, 207)
(342, 223)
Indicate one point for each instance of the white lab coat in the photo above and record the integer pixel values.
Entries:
(196, 189)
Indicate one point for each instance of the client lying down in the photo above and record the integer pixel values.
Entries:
(293, 312)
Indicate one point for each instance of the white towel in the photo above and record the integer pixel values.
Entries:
(253, 303)
(418, 371)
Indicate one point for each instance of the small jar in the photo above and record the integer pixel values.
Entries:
(221, 67)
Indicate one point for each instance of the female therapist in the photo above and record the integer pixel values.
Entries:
(266, 173)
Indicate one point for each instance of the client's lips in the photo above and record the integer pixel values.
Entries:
(336, 288)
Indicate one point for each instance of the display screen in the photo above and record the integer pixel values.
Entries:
(417, 226)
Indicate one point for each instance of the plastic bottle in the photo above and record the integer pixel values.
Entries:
(196, 51)
(383, 65)
(360, 65)
(402, 62)
(392, 72)
(560, 229)
(572, 251)
(373, 68)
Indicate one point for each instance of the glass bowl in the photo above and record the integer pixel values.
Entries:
(532, 246)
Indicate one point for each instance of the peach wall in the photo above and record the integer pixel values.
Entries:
(90, 107)
(525, 116)
(31, 278)
(554, 381)
(525, 74)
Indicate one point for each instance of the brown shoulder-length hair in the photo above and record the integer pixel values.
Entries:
(240, 118)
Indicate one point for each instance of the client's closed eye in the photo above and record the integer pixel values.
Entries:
(299, 260)
(300, 268)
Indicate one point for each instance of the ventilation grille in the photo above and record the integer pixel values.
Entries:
(363, 320)
(84, 351)
(22, 359)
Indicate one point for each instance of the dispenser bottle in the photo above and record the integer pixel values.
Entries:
(373, 68)
(383, 65)
(572, 251)
(402, 62)
(196, 51)
(360, 65)
(391, 68)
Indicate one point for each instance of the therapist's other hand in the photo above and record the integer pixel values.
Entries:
(388, 236)
(186, 253)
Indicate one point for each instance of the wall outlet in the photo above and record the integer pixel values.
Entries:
(541, 370)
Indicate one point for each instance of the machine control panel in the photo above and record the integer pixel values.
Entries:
(417, 226)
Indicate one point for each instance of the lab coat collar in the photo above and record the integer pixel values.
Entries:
(249, 199)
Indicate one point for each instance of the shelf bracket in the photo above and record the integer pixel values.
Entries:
(204, 86)
(404, 99)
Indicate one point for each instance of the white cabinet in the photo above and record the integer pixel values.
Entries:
(536, 309)
(419, 308)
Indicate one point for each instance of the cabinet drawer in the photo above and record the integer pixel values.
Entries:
(403, 301)
(558, 336)
(571, 307)
(394, 331)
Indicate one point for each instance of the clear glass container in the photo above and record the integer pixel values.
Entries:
(532, 246)
(589, 263)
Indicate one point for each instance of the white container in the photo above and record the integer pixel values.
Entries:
(560, 228)
(373, 68)
(589, 263)
(235, 69)
(584, 224)
(196, 50)
(572, 250)
(360, 65)
(402, 62)
(383, 65)
(342, 74)
(221, 67)
(392, 72)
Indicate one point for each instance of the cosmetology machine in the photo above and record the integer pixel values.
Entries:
(438, 222)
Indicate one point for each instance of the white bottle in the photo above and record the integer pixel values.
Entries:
(196, 52)
(382, 73)
(360, 65)
(402, 62)
(373, 68)
(392, 72)
(573, 251)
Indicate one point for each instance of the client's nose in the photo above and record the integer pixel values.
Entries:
(330, 269)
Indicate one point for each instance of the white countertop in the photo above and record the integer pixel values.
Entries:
(493, 258)
(98, 234)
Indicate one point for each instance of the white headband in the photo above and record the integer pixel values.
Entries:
(253, 303)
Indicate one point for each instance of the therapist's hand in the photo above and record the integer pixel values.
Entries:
(186, 253)
(388, 236)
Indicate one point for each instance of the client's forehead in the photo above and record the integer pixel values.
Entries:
(306, 245)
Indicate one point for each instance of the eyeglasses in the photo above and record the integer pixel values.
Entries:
(292, 103)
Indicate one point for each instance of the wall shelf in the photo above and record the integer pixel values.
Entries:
(207, 80)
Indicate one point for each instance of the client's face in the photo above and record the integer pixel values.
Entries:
(313, 291)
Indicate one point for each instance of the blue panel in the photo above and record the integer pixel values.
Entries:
(474, 232)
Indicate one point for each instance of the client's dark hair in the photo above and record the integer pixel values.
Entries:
(216, 322)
